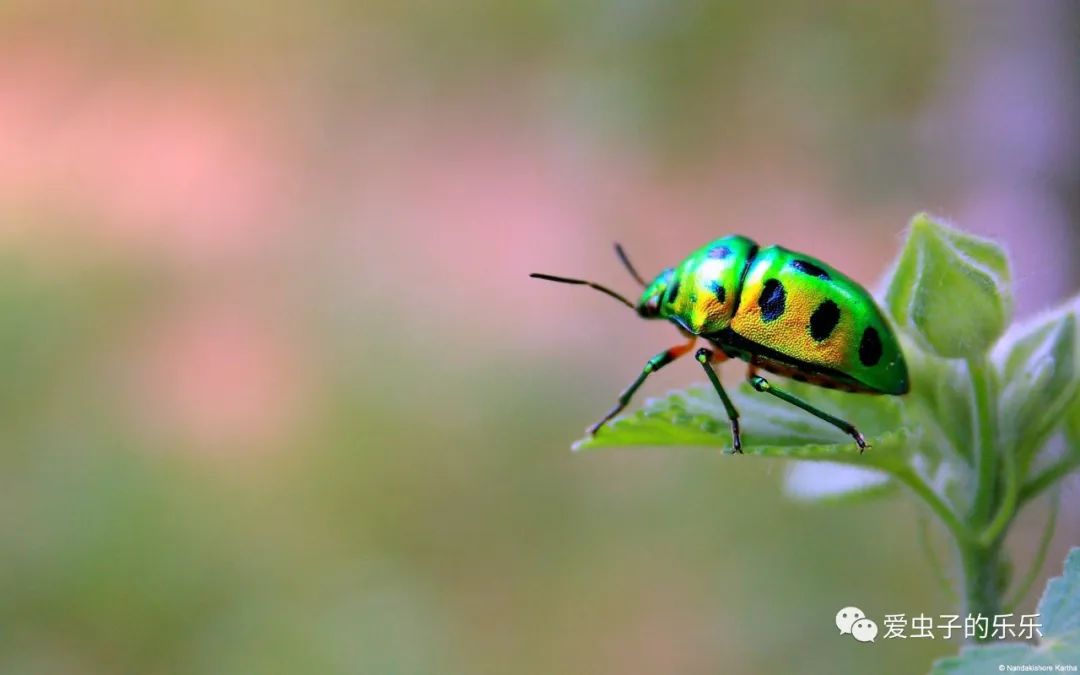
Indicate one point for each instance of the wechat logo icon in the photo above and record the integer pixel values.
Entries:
(853, 621)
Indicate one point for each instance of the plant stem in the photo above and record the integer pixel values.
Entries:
(982, 557)
(959, 532)
(1048, 477)
(983, 580)
(1007, 508)
(1040, 556)
(985, 436)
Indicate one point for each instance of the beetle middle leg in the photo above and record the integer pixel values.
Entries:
(763, 385)
(705, 357)
(651, 366)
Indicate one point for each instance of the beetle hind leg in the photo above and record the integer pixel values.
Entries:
(761, 384)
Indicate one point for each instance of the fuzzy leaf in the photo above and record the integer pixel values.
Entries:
(950, 290)
(1071, 455)
(941, 393)
(1039, 362)
(1072, 428)
(1059, 614)
(1060, 604)
(770, 427)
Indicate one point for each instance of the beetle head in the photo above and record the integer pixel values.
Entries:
(652, 298)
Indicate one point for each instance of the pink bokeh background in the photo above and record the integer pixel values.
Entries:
(324, 220)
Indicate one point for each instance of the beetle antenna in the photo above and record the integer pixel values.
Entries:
(582, 282)
(628, 265)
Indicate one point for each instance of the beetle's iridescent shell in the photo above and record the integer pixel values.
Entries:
(704, 290)
(786, 312)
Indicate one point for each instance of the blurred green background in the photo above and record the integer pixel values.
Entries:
(277, 395)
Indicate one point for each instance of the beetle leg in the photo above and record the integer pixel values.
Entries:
(651, 366)
(761, 384)
(705, 357)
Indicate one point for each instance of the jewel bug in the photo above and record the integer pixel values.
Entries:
(780, 311)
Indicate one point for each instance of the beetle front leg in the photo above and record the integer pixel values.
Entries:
(763, 385)
(705, 358)
(651, 366)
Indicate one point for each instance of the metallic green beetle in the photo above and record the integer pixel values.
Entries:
(778, 310)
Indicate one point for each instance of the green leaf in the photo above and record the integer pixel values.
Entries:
(1072, 424)
(1059, 614)
(1072, 428)
(1039, 362)
(942, 396)
(770, 427)
(1070, 460)
(950, 290)
(1060, 604)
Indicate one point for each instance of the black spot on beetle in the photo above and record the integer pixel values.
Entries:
(807, 267)
(870, 347)
(824, 319)
(719, 252)
(673, 292)
(773, 297)
(718, 289)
